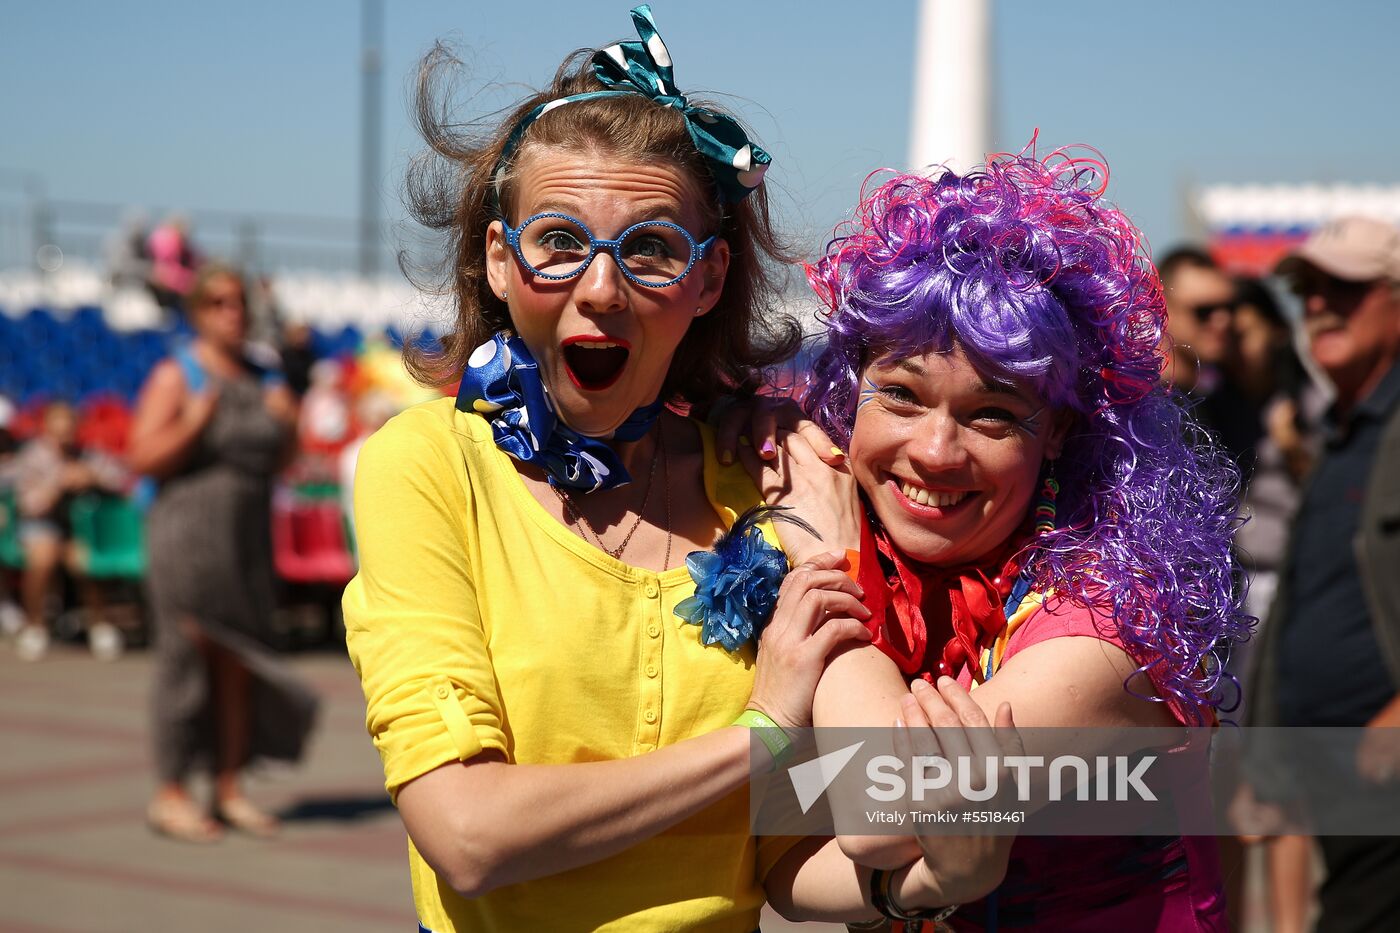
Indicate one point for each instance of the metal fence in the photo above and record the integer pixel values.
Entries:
(37, 231)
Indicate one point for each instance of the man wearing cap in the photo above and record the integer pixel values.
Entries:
(1330, 655)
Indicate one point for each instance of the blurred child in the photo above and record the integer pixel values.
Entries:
(49, 471)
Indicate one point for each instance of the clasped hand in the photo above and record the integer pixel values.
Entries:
(945, 722)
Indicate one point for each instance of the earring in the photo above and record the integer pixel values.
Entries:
(503, 294)
(1045, 506)
(699, 311)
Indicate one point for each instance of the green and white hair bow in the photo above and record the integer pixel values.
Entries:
(645, 68)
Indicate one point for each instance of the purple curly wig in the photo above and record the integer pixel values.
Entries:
(1044, 285)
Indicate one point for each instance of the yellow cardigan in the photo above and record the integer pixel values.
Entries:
(478, 621)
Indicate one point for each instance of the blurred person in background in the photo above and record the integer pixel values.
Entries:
(214, 428)
(1266, 368)
(1200, 312)
(173, 262)
(1202, 347)
(127, 252)
(11, 615)
(49, 471)
(1330, 653)
(298, 356)
(325, 409)
(265, 316)
(373, 409)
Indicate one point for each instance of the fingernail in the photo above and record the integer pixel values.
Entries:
(919, 684)
(768, 449)
(943, 678)
(725, 458)
(898, 722)
(743, 439)
(837, 451)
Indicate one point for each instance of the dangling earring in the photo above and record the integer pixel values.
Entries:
(1045, 505)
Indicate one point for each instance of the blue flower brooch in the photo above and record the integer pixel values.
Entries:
(737, 582)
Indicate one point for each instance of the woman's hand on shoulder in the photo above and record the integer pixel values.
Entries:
(758, 422)
(824, 496)
(818, 610)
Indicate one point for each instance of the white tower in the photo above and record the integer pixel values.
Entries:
(952, 85)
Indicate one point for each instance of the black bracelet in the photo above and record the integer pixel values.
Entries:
(882, 898)
(854, 925)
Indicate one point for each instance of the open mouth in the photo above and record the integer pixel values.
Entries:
(930, 502)
(595, 363)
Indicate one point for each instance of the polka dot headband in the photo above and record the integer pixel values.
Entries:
(645, 68)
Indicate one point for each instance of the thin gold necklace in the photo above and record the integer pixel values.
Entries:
(572, 508)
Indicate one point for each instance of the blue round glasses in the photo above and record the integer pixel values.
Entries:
(652, 254)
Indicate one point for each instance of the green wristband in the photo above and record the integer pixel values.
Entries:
(769, 733)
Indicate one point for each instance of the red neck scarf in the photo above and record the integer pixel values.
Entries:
(913, 603)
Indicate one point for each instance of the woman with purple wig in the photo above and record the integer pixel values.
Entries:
(1039, 520)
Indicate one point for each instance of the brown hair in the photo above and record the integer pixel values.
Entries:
(450, 189)
(208, 272)
(1183, 257)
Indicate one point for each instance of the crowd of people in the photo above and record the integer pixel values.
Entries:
(1335, 606)
(1008, 404)
(1305, 406)
(62, 457)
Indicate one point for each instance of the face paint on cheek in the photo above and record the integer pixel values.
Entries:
(1030, 425)
(867, 394)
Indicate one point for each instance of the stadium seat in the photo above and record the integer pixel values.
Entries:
(109, 534)
(29, 418)
(105, 423)
(308, 541)
(11, 552)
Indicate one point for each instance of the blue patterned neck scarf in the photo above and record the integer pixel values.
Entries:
(502, 384)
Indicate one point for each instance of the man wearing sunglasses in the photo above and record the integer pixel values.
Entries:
(1200, 335)
(1330, 654)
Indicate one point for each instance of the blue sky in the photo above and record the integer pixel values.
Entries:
(254, 106)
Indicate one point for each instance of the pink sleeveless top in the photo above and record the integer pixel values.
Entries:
(1076, 884)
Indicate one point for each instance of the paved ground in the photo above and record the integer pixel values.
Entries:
(75, 855)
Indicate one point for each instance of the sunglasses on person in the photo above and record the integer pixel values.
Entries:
(1204, 312)
(1340, 293)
